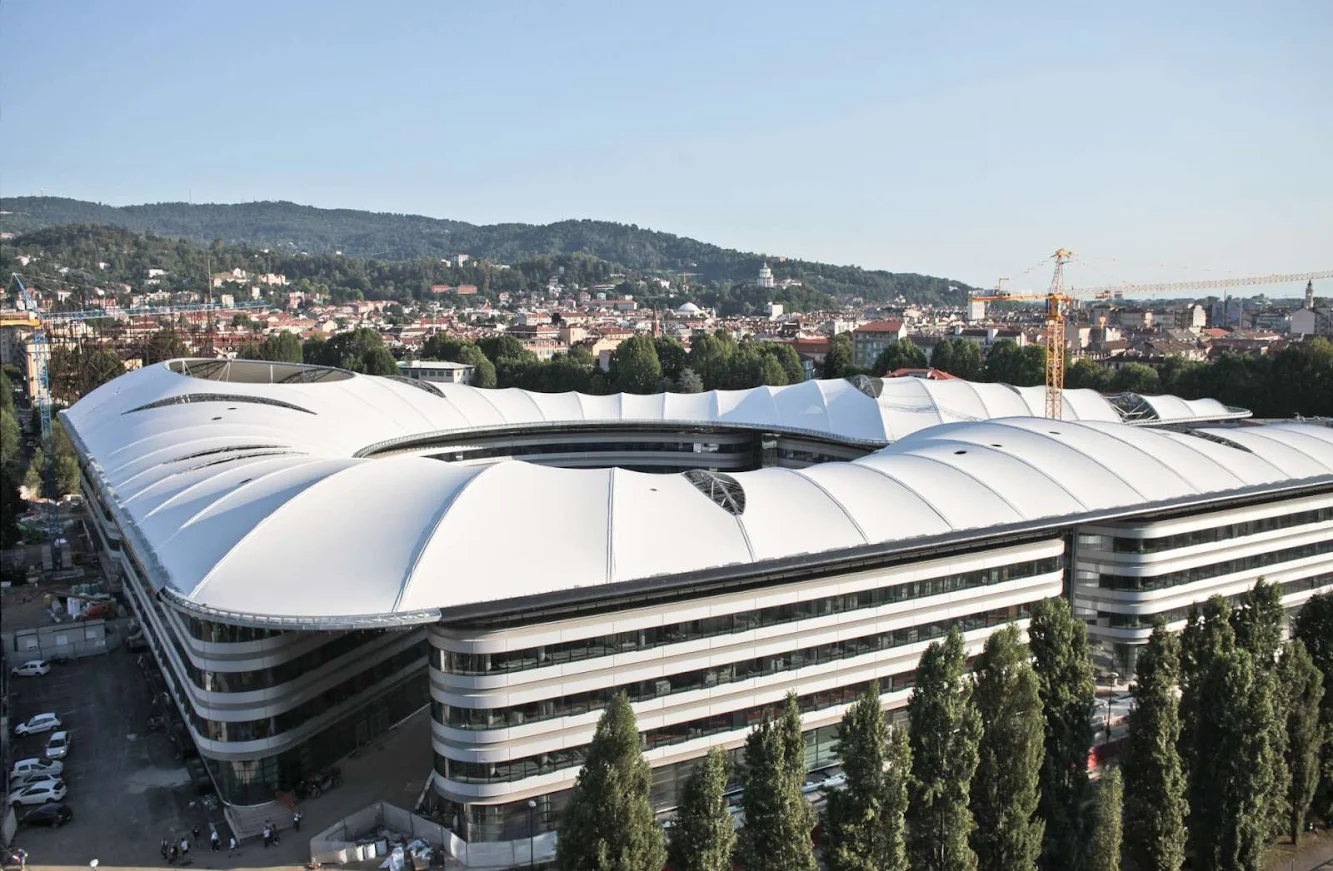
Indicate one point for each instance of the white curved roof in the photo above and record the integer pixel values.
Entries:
(251, 498)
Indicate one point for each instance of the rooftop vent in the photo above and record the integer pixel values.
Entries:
(723, 489)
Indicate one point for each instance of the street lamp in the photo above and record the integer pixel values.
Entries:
(532, 833)
(1110, 699)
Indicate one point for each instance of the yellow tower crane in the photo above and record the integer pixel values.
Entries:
(1060, 300)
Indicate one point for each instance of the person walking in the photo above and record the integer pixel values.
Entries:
(166, 846)
(215, 840)
(171, 855)
(268, 835)
(233, 848)
(296, 821)
(185, 848)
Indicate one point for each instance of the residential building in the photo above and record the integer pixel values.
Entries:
(868, 340)
(438, 371)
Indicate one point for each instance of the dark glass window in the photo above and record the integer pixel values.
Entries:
(455, 662)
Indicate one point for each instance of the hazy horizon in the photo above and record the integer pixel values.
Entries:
(968, 141)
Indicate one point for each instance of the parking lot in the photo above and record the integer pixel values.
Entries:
(127, 789)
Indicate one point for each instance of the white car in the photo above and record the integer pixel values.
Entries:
(57, 746)
(39, 723)
(35, 765)
(33, 668)
(38, 793)
(33, 779)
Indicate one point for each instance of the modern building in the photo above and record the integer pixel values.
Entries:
(436, 371)
(317, 554)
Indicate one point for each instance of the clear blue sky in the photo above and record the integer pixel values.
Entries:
(1158, 140)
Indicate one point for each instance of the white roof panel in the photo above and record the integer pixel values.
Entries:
(317, 532)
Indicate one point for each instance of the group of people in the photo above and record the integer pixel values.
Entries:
(173, 852)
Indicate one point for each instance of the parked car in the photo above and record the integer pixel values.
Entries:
(38, 724)
(32, 779)
(36, 766)
(57, 746)
(54, 815)
(31, 668)
(38, 793)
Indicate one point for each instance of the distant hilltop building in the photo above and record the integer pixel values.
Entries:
(1312, 320)
(766, 277)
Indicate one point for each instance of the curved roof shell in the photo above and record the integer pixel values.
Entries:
(254, 499)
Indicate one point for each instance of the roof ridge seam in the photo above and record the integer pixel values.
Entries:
(425, 540)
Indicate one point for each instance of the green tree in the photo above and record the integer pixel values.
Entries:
(360, 350)
(1107, 820)
(863, 826)
(501, 347)
(1007, 363)
(1063, 663)
(1085, 374)
(6, 394)
(67, 475)
(1260, 621)
(1155, 784)
(1008, 834)
(838, 362)
(945, 731)
(1230, 820)
(165, 344)
(778, 819)
(282, 347)
(1207, 635)
(483, 370)
(671, 354)
(1136, 378)
(787, 358)
(77, 370)
(609, 824)
(11, 450)
(705, 834)
(635, 367)
(242, 321)
(1314, 628)
(36, 473)
(958, 356)
(1303, 691)
(899, 355)
(689, 382)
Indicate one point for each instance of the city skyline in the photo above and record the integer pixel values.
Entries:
(1162, 145)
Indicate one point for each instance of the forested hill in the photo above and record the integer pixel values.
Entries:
(293, 228)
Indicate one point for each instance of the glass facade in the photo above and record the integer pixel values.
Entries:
(267, 727)
(1221, 533)
(453, 662)
(640, 691)
(284, 672)
(1212, 570)
(224, 633)
(1145, 621)
(256, 781)
(546, 763)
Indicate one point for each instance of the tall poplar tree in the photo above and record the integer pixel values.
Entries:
(704, 834)
(1155, 785)
(778, 819)
(863, 826)
(1229, 821)
(1106, 829)
(610, 825)
(1008, 833)
(945, 730)
(1314, 627)
(1207, 635)
(1303, 687)
(1063, 662)
(1259, 622)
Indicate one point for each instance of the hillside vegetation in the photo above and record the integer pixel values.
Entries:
(293, 229)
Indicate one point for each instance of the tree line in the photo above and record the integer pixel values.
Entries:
(1297, 379)
(1229, 748)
